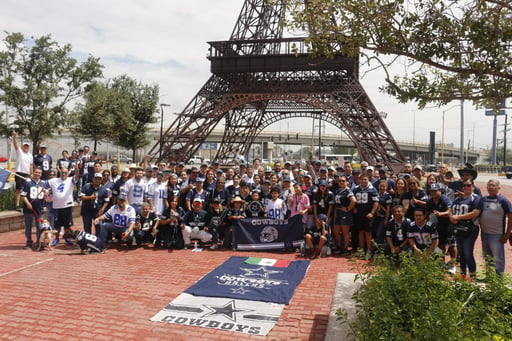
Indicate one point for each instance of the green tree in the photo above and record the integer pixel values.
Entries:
(104, 111)
(449, 50)
(499, 156)
(144, 103)
(38, 77)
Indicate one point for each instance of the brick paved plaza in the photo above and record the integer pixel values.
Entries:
(67, 296)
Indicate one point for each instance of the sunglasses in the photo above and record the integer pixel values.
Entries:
(467, 185)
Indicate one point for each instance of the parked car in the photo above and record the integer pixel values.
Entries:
(508, 171)
(196, 159)
(122, 159)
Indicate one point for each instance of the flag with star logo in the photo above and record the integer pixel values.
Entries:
(237, 279)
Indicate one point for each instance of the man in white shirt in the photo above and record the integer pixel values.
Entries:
(135, 189)
(24, 163)
(61, 191)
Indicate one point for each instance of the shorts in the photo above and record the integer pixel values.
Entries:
(364, 224)
(19, 181)
(343, 218)
(63, 217)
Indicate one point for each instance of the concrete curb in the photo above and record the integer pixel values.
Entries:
(342, 298)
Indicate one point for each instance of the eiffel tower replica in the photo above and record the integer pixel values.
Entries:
(259, 78)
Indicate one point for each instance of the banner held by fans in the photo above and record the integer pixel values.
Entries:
(268, 234)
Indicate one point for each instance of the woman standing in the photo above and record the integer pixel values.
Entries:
(344, 202)
(416, 196)
(465, 210)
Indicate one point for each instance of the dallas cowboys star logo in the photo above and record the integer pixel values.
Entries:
(240, 291)
(259, 272)
(228, 310)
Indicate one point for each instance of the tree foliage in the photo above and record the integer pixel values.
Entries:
(103, 112)
(38, 77)
(450, 49)
(143, 101)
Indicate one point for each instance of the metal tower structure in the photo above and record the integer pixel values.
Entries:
(259, 77)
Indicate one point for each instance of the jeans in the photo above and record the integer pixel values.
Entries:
(380, 231)
(466, 248)
(28, 228)
(492, 246)
(108, 227)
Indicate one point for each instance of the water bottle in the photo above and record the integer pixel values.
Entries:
(195, 245)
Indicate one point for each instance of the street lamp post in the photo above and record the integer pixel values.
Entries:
(442, 132)
(162, 105)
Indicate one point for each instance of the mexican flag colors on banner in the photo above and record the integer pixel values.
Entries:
(268, 262)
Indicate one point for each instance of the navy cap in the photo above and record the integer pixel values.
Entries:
(286, 179)
(322, 182)
(322, 217)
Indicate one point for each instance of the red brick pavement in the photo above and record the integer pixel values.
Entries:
(65, 295)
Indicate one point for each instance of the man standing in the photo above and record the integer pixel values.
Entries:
(24, 161)
(135, 189)
(496, 211)
(62, 196)
(43, 160)
(33, 198)
(95, 198)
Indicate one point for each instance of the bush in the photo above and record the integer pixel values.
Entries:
(7, 199)
(418, 301)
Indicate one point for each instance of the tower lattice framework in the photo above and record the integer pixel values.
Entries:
(259, 77)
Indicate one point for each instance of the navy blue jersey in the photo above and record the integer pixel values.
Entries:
(398, 231)
(45, 162)
(463, 205)
(342, 198)
(323, 200)
(91, 207)
(173, 192)
(255, 209)
(88, 241)
(457, 187)
(218, 218)
(117, 187)
(365, 198)
(65, 163)
(193, 193)
(423, 236)
(33, 192)
(175, 217)
(420, 195)
(385, 202)
(442, 206)
(147, 223)
(199, 219)
(222, 195)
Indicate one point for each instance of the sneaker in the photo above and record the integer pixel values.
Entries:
(69, 241)
(313, 255)
(27, 247)
(368, 255)
(452, 270)
(214, 247)
(19, 208)
(55, 242)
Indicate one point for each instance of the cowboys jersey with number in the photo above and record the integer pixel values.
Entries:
(342, 197)
(423, 236)
(121, 218)
(197, 219)
(147, 223)
(35, 195)
(134, 191)
(62, 191)
(365, 198)
(398, 232)
(45, 162)
(88, 241)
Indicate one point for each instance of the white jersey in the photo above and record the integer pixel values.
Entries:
(158, 193)
(275, 209)
(24, 161)
(134, 191)
(121, 218)
(61, 191)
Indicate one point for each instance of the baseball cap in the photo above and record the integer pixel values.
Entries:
(322, 217)
(121, 197)
(197, 200)
(268, 169)
(125, 170)
(149, 169)
(435, 187)
(322, 182)
(323, 169)
(286, 179)
(42, 146)
(26, 144)
(98, 175)
(417, 167)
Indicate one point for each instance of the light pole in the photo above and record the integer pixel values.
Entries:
(442, 138)
(162, 105)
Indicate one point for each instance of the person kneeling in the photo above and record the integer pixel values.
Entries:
(88, 243)
(317, 235)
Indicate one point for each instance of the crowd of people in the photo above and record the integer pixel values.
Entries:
(356, 211)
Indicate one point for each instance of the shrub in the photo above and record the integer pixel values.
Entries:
(418, 301)
(7, 200)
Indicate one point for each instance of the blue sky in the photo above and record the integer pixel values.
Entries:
(164, 42)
